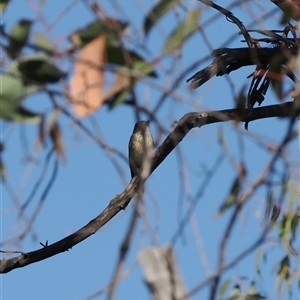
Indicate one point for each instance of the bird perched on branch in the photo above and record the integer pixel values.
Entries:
(141, 141)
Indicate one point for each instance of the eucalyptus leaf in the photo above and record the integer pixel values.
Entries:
(18, 114)
(119, 98)
(42, 42)
(40, 69)
(183, 31)
(252, 293)
(115, 55)
(12, 93)
(13, 88)
(2, 170)
(3, 3)
(161, 8)
(224, 288)
(18, 37)
(232, 196)
(82, 37)
(235, 294)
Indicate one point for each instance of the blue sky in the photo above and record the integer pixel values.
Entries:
(87, 180)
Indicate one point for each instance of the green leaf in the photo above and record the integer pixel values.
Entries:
(38, 68)
(140, 69)
(18, 114)
(233, 194)
(161, 8)
(275, 212)
(288, 14)
(18, 37)
(252, 293)
(288, 227)
(275, 73)
(294, 226)
(3, 3)
(235, 294)
(119, 98)
(241, 101)
(294, 196)
(259, 256)
(254, 297)
(183, 31)
(2, 170)
(82, 37)
(13, 91)
(144, 68)
(285, 227)
(284, 267)
(42, 42)
(224, 288)
(115, 55)
(283, 276)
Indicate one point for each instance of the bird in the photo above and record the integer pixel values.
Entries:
(141, 141)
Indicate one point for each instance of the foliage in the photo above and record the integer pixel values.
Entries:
(109, 62)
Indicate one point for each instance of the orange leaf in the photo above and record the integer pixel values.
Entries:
(87, 82)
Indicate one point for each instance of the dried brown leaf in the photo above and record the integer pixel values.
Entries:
(56, 137)
(86, 84)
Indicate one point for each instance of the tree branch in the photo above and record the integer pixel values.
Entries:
(120, 202)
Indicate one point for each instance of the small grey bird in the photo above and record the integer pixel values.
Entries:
(140, 142)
